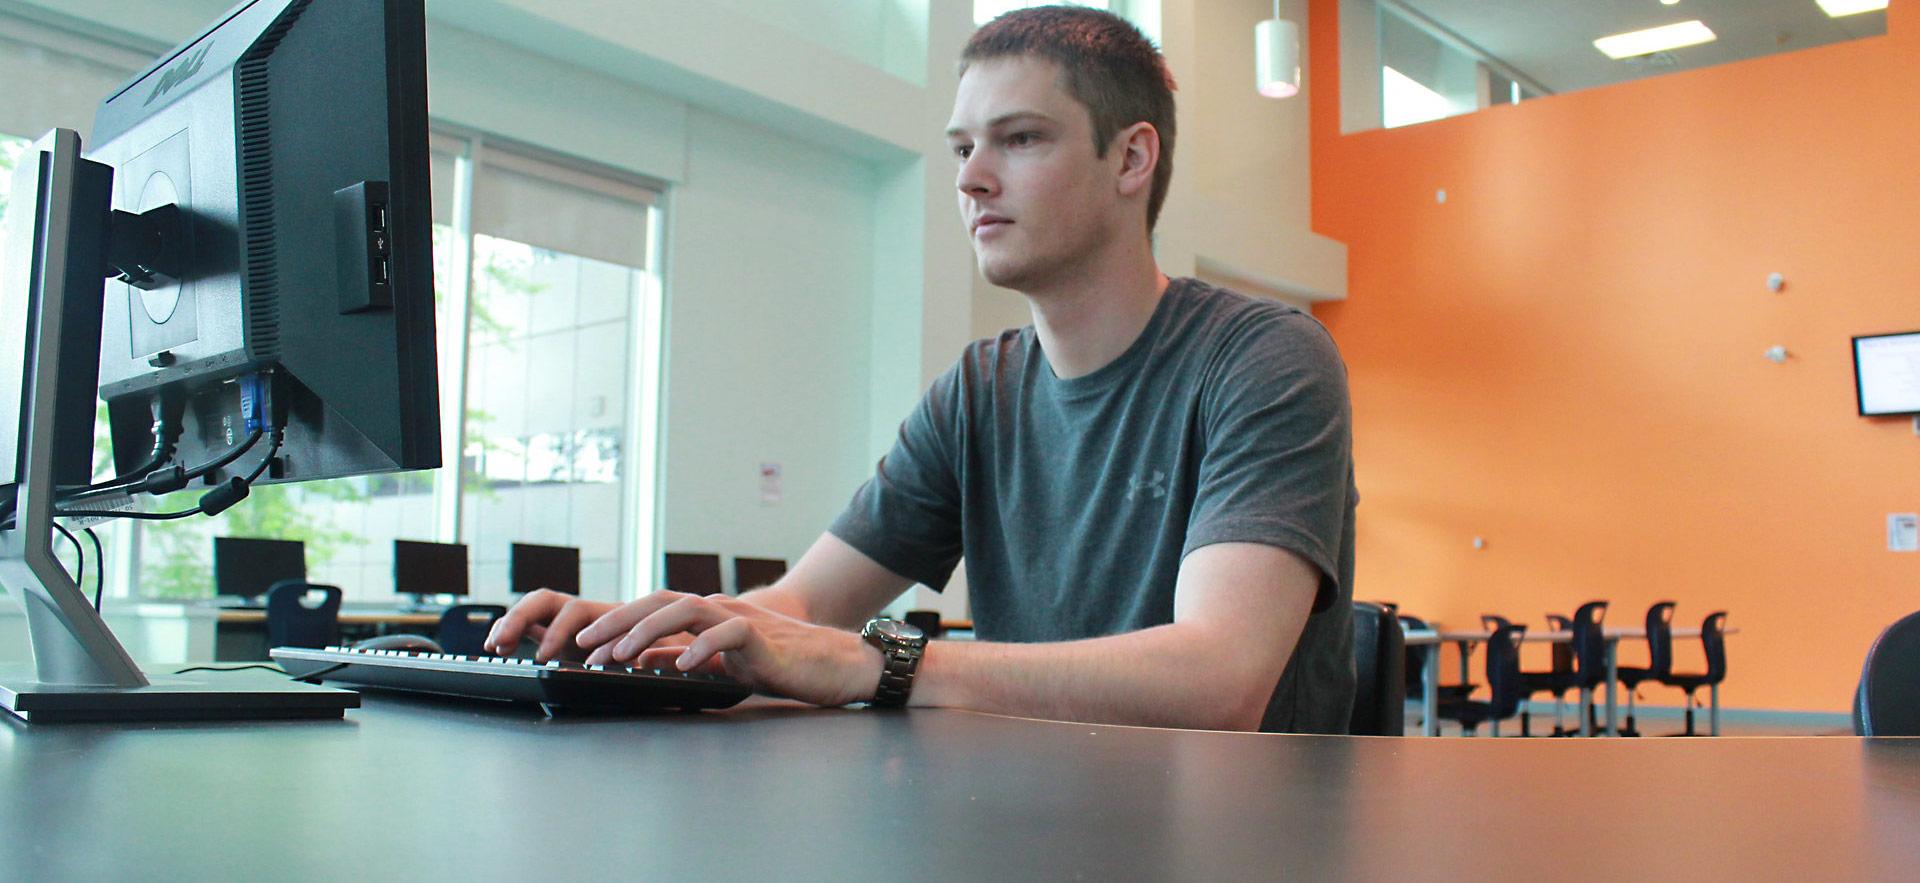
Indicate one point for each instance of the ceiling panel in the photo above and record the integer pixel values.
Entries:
(1551, 41)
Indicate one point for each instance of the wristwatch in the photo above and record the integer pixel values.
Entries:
(902, 646)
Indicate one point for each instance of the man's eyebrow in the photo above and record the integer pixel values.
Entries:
(1004, 119)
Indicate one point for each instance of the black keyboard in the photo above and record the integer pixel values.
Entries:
(557, 686)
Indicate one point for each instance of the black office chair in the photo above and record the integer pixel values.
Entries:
(1887, 702)
(695, 573)
(464, 627)
(1380, 687)
(1555, 682)
(927, 621)
(1659, 658)
(292, 623)
(1713, 640)
(1503, 679)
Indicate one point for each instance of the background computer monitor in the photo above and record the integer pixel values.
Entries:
(696, 573)
(534, 567)
(247, 567)
(422, 569)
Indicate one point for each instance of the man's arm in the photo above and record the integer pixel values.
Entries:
(1239, 609)
(833, 585)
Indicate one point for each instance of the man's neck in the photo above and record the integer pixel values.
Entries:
(1092, 317)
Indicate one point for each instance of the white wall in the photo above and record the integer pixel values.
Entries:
(1240, 205)
(768, 344)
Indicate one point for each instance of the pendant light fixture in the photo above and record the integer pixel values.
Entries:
(1276, 56)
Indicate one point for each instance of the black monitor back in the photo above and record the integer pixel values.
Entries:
(247, 567)
(421, 568)
(293, 136)
(535, 567)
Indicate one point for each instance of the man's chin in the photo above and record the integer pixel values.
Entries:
(1005, 273)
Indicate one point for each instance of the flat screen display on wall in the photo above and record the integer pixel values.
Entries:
(1886, 372)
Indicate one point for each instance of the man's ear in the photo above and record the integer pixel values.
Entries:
(1138, 147)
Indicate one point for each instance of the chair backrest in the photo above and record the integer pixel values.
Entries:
(464, 627)
(1590, 643)
(693, 572)
(1660, 639)
(291, 623)
(1888, 700)
(1562, 651)
(1713, 639)
(927, 621)
(1380, 686)
(1503, 665)
(1413, 657)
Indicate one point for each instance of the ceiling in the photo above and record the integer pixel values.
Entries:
(1551, 41)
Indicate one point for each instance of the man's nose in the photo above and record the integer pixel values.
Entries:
(976, 177)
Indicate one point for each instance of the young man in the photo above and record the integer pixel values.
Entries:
(1151, 485)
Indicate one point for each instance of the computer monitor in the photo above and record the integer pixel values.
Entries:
(534, 567)
(696, 573)
(1886, 374)
(426, 569)
(246, 567)
(259, 197)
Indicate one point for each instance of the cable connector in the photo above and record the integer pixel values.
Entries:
(161, 481)
(225, 495)
(256, 401)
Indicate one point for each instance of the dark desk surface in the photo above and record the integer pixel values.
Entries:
(410, 788)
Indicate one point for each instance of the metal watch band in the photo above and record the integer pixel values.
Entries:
(896, 677)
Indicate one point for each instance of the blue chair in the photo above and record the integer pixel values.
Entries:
(291, 622)
(1659, 658)
(1504, 680)
(464, 627)
(1713, 640)
(1887, 702)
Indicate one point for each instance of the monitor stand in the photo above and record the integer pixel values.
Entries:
(81, 672)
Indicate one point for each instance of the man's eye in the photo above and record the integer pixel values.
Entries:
(962, 150)
(1022, 139)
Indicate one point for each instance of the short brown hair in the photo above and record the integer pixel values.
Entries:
(1108, 65)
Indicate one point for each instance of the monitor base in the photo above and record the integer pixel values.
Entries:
(218, 696)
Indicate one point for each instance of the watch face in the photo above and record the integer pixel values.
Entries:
(895, 630)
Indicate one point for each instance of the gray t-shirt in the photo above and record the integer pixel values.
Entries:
(1074, 501)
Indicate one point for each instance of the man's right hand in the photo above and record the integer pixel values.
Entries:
(549, 617)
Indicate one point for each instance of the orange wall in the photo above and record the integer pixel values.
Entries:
(1566, 356)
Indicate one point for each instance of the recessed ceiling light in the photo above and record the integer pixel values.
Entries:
(1669, 2)
(1660, 39)
(1837, 8)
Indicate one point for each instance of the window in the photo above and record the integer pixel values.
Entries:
(548, 312)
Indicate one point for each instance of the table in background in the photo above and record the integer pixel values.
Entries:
(1466, 639)
(410, 788)
(241, 635)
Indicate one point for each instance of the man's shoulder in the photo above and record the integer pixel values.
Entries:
(994, 355)
(1230, 320)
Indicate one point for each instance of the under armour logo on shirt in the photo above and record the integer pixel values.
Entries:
(1155, 488)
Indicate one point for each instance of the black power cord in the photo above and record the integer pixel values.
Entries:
(99, 568)
(80, 575)
(212, 502)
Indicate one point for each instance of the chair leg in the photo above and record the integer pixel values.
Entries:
(1629, 730)
(1559, 705)
(1713, 716)
(1690, 713)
